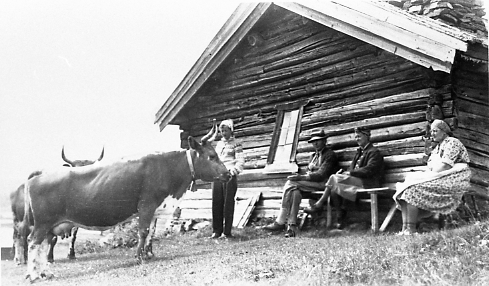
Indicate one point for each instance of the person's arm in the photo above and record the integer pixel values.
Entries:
(375, 161)
(239, 157)
(329, 165)
(440, 167)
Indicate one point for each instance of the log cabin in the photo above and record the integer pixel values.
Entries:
(278, 70)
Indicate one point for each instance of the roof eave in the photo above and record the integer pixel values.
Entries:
(228, 37)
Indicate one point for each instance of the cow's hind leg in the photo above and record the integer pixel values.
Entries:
(37, 265)
(74, 232)
(52, 240)
(20, 250)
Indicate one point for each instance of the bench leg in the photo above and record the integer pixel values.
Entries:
(374, 212)
(388, 218)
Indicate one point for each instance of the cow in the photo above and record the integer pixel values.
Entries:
(20, 233)
(103, 195)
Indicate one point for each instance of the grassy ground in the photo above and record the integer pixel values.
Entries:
(254, 257)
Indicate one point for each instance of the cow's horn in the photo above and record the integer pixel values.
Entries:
(64, 157)
(211, 133)
(102, 154)
(216, 132)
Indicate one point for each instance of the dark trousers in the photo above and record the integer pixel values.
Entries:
(223, 205)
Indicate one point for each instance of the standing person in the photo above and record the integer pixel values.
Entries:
(440, 188)
(231, 154)
(322, 163)
(365, 171)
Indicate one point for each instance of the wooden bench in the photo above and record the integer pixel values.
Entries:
(374, 207)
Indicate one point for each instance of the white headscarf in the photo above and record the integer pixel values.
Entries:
(228, 123)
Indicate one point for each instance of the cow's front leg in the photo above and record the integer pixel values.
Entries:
(148, 247)
(146, 213)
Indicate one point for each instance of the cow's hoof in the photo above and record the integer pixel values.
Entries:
(32, 279)
(47, 275)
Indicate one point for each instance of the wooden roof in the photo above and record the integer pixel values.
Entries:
(417, 38)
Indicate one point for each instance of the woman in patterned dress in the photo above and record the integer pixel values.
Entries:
(440, 188)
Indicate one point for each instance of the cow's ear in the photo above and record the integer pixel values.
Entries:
(193, 143)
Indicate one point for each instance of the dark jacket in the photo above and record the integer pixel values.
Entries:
(370, 166)
(327, 165)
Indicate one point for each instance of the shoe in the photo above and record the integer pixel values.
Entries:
(291, 231)
(275, 226)
(313, 209)
(215, 235)
(226, 236)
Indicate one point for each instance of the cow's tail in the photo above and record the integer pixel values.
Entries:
(28, 216)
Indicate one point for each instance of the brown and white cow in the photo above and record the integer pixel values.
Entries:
(20, 232)
(103, 195)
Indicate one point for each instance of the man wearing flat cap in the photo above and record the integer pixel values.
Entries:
(366, 171)
(322, 164)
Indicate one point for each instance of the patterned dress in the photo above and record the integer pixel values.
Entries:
(439, 192)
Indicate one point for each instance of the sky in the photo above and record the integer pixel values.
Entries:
(89, 75)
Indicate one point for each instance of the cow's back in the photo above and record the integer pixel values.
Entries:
(98, 195)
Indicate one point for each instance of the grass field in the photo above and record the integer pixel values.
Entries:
(450, 257)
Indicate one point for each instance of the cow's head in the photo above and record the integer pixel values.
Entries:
(208, 166)
(79, 163)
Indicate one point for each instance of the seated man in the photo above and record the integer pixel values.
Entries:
(366, 171)
(322, 164)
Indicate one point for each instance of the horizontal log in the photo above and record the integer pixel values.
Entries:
(473, 122)
(464, 104)
(478, 159)
(328, 77)
(340, 63)
(405, 80)
(242, 193)
(250, 125)
(280, 26)
(261, 54)
(473, 95)
(477, 141)
(307, 49)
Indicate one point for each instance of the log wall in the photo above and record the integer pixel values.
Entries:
(346, 82)
(470, 85)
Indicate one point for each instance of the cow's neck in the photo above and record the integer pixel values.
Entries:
(175, 172)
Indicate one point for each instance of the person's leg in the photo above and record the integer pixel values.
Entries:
(279, 223)
(229, 203)
(217, 208)
(412, 218)
(340, 211)
(292, 229)
(324, 198)
(404, 214)
(294, 209)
